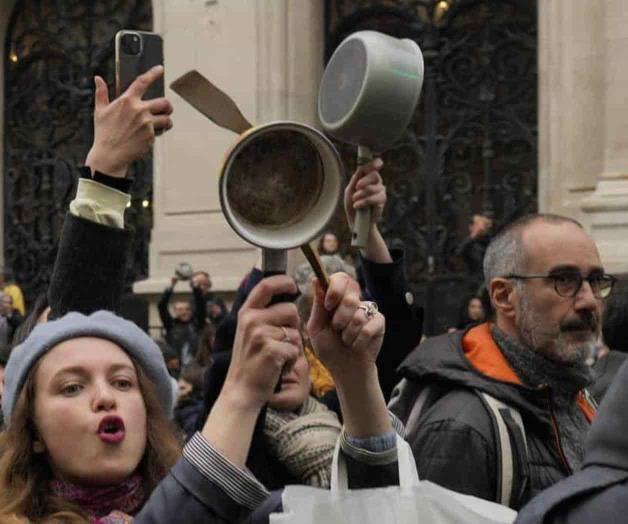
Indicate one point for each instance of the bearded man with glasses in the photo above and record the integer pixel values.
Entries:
(547, 286)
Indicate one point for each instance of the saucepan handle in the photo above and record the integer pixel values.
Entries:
(362, 222)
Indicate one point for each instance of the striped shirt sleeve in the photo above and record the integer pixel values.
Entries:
(237, 483)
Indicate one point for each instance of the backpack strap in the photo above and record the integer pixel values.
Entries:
(512, 447)
(411, 400)
(417, 408)
(508, 423)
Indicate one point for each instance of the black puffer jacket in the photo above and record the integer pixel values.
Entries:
(455, 443)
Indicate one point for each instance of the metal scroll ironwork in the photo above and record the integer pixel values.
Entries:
(472, 145)
(52, 52)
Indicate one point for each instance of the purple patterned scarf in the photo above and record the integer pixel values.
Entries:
(106, 504)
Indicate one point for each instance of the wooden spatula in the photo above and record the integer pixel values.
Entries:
(215, 104)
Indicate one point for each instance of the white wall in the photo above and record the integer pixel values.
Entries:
(268, 56)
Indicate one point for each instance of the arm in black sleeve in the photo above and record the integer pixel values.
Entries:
(185, 495)
(15, 319)
(200, 313)
(162, 306)
(225, 333)
(386, 284)
(90, 268)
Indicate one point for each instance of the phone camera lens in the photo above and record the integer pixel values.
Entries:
(130, 44)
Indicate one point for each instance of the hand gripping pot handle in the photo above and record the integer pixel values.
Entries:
(408, 475)
(362, 222)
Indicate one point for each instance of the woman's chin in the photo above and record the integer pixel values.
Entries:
(285, 401)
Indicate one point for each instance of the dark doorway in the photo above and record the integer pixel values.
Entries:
(52, 52)
(471, 148)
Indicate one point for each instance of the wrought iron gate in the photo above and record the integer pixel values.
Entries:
(52, 52)
(472, 145)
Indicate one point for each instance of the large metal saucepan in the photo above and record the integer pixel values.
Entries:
(367, 97)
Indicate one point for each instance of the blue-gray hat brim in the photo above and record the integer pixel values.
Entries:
(102, 324)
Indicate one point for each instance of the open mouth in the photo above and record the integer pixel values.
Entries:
(111, 430)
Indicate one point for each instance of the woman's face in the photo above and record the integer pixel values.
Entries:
(330, 243)
(295, 387)
(475, 309)
(90, 416)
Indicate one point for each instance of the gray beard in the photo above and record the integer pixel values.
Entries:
(551, 343)
(564, 380)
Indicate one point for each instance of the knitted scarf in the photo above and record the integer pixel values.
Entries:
(106, 504)
(564, 382)
(304, 441)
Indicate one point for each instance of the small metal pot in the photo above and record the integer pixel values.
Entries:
(280, 185)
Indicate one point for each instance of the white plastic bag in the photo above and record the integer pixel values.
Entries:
(411, 502)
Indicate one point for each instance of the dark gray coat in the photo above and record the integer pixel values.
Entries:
(456, 444)
(597, 493)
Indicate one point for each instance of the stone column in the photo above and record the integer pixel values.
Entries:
(268, 57)
(583, 119)
(607, 208)
(571, 112)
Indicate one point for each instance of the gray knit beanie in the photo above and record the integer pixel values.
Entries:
(101, 324)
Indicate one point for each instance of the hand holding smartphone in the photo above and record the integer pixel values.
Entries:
(125, 128)
(136, 52)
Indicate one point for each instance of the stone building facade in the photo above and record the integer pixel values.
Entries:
(267, 54)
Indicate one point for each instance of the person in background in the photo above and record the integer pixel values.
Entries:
(471, 313)
(474, 246)
(184, 326)
(189, 399)
(171, 358)
(10, 319)
(613, 348)
(205, 350)
(10, 287)
(328, 244)
(215, 308)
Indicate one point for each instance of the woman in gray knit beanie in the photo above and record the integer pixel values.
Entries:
(86, 403)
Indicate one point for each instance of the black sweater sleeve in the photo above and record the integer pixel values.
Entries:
(386, 284)
(162, 307)
(90, 269)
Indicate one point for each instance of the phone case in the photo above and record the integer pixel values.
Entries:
(130, 66)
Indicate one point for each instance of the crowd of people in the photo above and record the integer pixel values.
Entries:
(102, 424)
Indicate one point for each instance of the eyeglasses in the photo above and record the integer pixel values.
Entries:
(568, 284)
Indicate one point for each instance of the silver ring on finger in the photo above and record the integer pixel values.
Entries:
(370, 309)
(286, 337)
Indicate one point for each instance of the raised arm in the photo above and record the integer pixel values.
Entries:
(384, 275)
(366, 189)
(90, 268)
(347, 336)
(162, 305)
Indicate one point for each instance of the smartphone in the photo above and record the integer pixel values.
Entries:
(136, 53)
